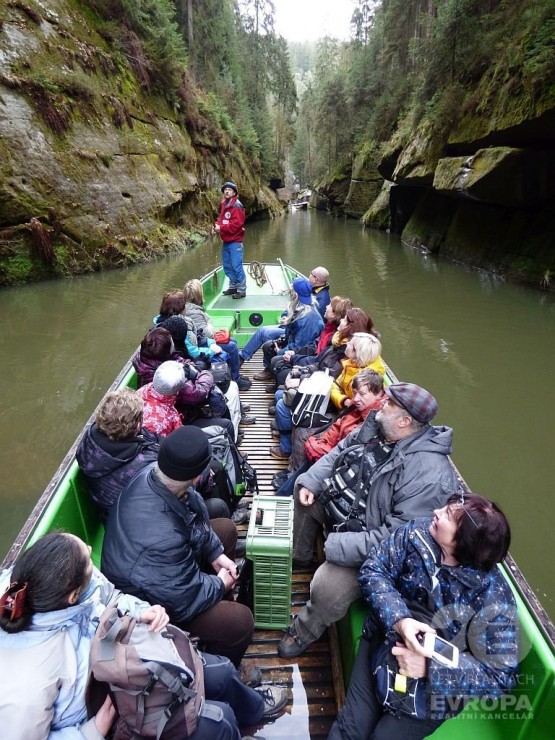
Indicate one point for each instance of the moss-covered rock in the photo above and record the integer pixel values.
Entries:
(378, 216)
(101, 159)
(500, 175)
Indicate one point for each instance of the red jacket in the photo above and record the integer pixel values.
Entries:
(319, 445)
(159, 413)
(231, 220)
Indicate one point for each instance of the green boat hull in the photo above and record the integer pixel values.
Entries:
(528, 714)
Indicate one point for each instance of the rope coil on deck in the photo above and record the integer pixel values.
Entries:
(257, 271)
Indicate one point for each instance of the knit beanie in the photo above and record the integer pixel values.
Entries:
(303, 289)
(184, 453)
(169, 378)
(231, 185)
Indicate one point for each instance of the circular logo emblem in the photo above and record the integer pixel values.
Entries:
(227, 214)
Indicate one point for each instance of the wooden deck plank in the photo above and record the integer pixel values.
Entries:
(313, 699)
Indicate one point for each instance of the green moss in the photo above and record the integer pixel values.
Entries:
(17, 269)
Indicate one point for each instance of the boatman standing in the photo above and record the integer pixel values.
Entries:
(231, 227)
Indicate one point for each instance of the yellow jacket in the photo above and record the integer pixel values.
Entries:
(343, 386)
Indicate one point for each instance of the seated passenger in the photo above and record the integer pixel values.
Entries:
(335, 311)
(403, 472)
(171, 317)
(160, 546)
(435, 574)
(368, 395)
(318, 278)
(48, 617)
(362, 350)
(300, 325)
(156, 348)
(159, 413)
(115, 447)
(178, 330)
(194, 310)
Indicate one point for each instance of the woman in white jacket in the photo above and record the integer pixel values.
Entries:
(48, 617)
(49, 613)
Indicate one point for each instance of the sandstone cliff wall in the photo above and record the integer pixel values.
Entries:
(97, 168)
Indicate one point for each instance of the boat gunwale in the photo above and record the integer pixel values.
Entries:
(509, 567)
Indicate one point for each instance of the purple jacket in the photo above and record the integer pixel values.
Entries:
(194, 392)
(109, 465)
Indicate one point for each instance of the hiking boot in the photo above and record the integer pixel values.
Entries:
(279, 453)
(291, 645)
(250, 674)
(247, 420)
(245, 407)
(240, 439)
(240, 516)
(264, 375)
(273, 425)
(237, 296)
(275, 433)
(229, 291)
(272, 409)
(274, 697)
(271, 388)
(280, 478)
(241, 550)
(243, 383)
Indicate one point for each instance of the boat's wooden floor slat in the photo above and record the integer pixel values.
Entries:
(312, 705)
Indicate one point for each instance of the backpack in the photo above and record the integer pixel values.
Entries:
(221, 374)
(156, 679)
(242, 476)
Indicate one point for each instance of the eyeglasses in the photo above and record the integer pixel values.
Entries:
(467, 512)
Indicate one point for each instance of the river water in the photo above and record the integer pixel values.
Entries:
(483, 347)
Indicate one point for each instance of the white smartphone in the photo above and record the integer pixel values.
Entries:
(444, 652)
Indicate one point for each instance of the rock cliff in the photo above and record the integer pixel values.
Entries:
(469, 173)
(99, 168)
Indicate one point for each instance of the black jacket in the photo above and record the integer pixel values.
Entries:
(154, 543)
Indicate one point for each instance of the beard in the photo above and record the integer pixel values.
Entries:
(385, 425)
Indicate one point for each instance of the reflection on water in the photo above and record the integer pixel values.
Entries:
(483, 347)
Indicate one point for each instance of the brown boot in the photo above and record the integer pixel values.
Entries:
(264, 375)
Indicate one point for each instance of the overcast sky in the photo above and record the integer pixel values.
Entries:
(307, 20)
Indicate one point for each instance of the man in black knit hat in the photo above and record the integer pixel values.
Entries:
(161, 546)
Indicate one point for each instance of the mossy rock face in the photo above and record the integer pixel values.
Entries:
(330, 195)
(500, 175)
(85, 146)
(416, 163)
(430, 221)
(378, 216)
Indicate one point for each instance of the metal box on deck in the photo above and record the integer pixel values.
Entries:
(270, 547)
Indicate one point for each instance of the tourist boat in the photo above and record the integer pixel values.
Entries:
(316, 679)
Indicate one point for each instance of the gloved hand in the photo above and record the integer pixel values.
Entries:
(191, 373)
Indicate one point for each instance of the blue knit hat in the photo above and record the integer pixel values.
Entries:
(231, 185)
(303, 289)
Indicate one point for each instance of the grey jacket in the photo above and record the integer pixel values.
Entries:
(416, 478)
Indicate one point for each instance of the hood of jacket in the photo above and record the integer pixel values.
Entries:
(151, 395)
(98, 455)
(432, 438)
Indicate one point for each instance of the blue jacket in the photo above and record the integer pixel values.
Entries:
(322, 296)
(303, 331)
(154, 543)
(474, 609)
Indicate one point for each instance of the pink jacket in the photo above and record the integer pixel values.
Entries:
(159, 414)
